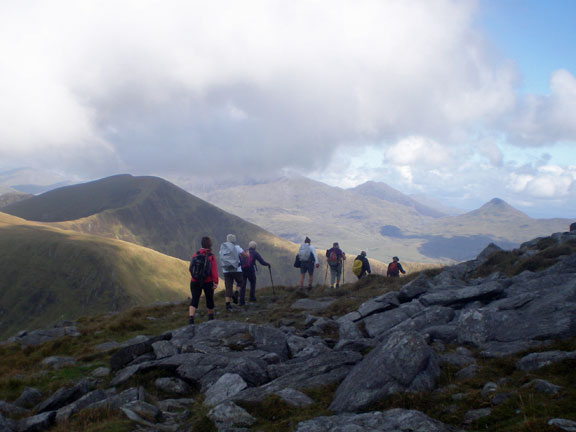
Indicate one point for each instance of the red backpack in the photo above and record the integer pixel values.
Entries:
(393, 268)
(333, 258)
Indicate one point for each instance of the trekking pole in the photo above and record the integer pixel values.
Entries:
(326, 275)
(271, 281)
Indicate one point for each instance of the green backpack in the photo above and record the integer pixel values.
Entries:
(357, 267)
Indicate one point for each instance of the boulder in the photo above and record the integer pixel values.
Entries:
(294, 397)
(381, 323)
(564, 424)
(173, 386)
(227, 386)
(228, 416)
(462, 295)
(414, 288)
(543, 386)
(270, 339)
(39, 422)
(127, 354)
(57, 362)
(12, 410)
(7, 425)
(66, 412)
(29, 398)
(394, 420)
(402, 363)
(573, 227)
(535, 361)
(473, 415)
(65, 396)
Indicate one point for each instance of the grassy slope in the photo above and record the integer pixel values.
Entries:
(50, 274)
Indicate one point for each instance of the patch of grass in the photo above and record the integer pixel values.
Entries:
(96, 420)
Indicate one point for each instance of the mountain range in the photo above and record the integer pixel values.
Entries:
(379, 219)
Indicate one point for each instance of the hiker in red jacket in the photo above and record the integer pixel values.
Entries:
(395, 268)
(208, 284)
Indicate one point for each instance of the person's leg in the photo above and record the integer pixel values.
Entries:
(209, 293)
(311, 274)
(338, 274)
(252, 279)
(332, 276)
(303, 270)
(228, 284)
(239, 283)
(242, 298)
(196, 291)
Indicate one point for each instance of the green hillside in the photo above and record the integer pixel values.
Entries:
(49, 274)
(154, 213)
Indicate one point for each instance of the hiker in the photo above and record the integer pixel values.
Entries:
(248, 262)
(395, 268)
(230, 260)
(361, 265)
(335, 257)
(207, 279)
(308, 260)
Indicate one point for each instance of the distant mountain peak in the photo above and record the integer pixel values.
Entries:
(497, 206)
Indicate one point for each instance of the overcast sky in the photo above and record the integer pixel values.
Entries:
(459, 99)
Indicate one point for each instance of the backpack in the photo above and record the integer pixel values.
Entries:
(246, 259)
(304, 252)
(393, 268)
(200, 267)
(333, 259)
(357, 267)
(229, 257)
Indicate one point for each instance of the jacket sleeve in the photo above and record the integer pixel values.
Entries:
(259, 258)
(214, 268)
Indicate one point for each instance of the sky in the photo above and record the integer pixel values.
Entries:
(462, 100)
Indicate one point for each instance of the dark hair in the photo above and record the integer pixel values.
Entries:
(206, 243)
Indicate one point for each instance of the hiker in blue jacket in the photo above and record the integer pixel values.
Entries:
(249, 269)
(335, 257)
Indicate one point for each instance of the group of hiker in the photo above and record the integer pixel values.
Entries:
(240, 266)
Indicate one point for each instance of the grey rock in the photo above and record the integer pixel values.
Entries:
(29, 398)
(12, 410)
(394, 420)
(299, 346)
(175, 405)
(404, 362)
(462, 295)
(65, 396)
(474, 327)
(163, 349)
(564, 424)
(271, 340)
(144, 410)
(501, 398)
(573, 227)
(467, 372)
(100, 372)
(227, 386)
(303, 373)
(7, 425)
(447, 333)
(535, 361)
(543, 386)
(488, 251)
(505, 349)
(456, 359)
(228, 415)
(39, 422)
(358, 345)
(379, 324)
(56, 362)
(174, 386)
(85, 401)
(489, 388)
(414, 288)
(38, 337)
(429, 317)
(129, 353)
(312, 305)
(118, 400)
(349, 330)
(294, 397)
(107, 346)
(379, 304)
(473, 415)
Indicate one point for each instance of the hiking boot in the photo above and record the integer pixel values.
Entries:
(309, 287)
(337, 285)
(253, 300)
(210, 317)
(190, 320)
(228, 307)
(235, 297)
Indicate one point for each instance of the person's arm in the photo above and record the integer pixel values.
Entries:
(401, 269)
(313, 250)
(259, 258)
(214, 270)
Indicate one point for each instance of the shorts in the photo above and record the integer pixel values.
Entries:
(307, 267)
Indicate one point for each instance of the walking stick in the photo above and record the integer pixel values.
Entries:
(271, 280)
(326, 275)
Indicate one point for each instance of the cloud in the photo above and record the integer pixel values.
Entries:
(220, 86)
(543, 120)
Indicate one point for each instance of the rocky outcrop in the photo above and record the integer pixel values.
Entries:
(391, 344)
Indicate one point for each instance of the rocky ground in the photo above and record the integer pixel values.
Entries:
(488, 344)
